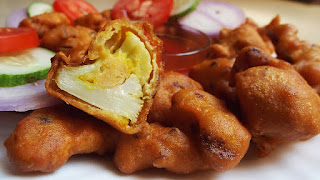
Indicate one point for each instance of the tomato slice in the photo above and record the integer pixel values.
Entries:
(155, 11)
(12, 39)
(73, 8)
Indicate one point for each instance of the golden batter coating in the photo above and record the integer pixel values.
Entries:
(170, 83)
(229, 43)
(45, 22)
(304, 56)
(310, 71)
(160, 147)
(287, 43)
(44, 140)
(214, 76)
(223, 139)
(205, 136)
(94, 21)
(73, 41)
(118, 78)
(277, 103)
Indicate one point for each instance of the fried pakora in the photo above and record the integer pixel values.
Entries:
(44, 140)
(229, 43)
(310, 71)
(118, 78)
(73, 41)
(170, 83)
(277, 104)
(45, 22)
(304, 56)
(95, 21)
(214, 76)
(223, 139)
(56, 33)
(287, 43)
(160, 147)
(205, 136)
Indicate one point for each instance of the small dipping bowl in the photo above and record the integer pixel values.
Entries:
(183, 46)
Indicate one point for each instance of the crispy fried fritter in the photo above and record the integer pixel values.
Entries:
(44, 140)
(95, 21)
(170, 83)
(73, 41)
(45, 22)
(160, 147)
(56, 34)
(277, 103)
(230, 42)
(287, 43)
(304, 56)
(214, 76)
(223, 139)
(118, 79)
(310, 71)
(205, 136)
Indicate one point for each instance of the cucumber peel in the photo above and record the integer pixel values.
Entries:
(37, 7)
(23, 67)
(21, 79)
(183, 7)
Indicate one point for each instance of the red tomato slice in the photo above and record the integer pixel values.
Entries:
(12, 39)
(73, 8)
(155, 11)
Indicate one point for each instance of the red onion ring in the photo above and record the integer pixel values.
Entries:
(26, 97)
(16, 17)
(229, 15)
(211, 16)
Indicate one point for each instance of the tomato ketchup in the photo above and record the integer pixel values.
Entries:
(183, 47)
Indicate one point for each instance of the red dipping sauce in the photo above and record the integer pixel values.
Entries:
(184, 46)
(173, 45)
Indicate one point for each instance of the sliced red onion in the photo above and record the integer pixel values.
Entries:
(229, 15)
(203, 22)
(26, 97)
(211, 16)
(16, 17)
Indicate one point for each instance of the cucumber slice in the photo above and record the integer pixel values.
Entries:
(183, 7)
(36, 8)
(23, 67)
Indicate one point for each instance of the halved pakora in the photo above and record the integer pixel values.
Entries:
(117, 79)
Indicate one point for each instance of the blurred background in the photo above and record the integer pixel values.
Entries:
(304, 14)
(8, 6)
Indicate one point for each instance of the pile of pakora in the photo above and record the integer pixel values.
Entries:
(258, 85)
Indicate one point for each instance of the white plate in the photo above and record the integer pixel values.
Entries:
(289, 161)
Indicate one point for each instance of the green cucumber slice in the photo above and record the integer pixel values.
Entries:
(183, 7)
(23, 67)
(36, 8)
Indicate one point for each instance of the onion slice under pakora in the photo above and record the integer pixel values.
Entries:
(118, 77)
